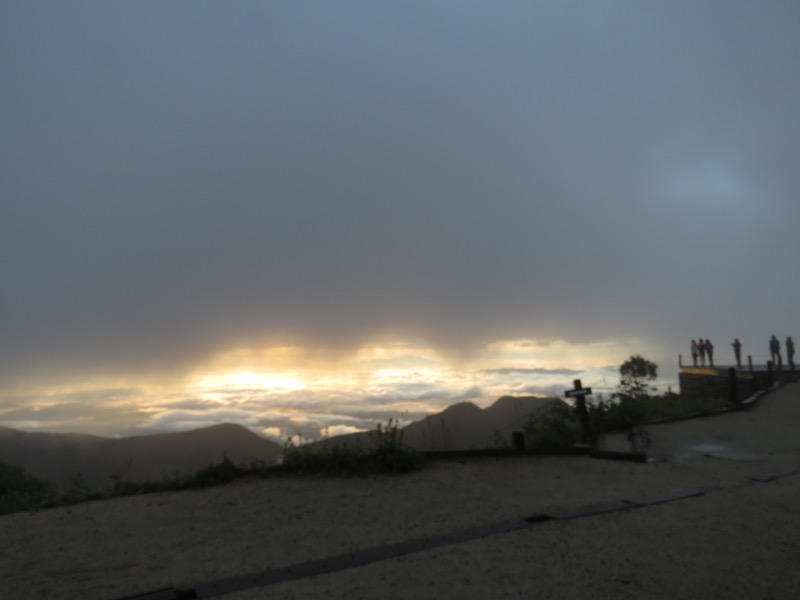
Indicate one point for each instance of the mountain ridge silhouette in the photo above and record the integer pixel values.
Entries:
(460, 426)
(59, 457)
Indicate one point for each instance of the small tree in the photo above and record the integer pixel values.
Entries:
(636, 373)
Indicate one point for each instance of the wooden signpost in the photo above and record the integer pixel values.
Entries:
(579, 393)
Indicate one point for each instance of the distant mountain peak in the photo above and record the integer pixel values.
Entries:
(460, 407)
(464, 425)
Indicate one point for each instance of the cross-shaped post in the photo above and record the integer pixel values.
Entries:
(579, 393)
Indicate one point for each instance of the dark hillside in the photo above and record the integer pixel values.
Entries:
(59, 457)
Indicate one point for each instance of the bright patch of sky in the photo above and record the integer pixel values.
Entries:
(271, 394)
(706, 184)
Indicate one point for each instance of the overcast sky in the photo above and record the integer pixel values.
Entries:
(180, 179)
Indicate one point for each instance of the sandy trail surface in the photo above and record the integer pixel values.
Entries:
(739, 541)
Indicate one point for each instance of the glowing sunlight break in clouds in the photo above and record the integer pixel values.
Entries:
(280, 392)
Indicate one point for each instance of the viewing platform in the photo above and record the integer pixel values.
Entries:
(724, 380)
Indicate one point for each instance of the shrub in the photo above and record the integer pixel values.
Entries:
(552, 428)
(387, 454)
(626, 412)
(19, 490)
(218, 474)
(390, 454)
(557, 426)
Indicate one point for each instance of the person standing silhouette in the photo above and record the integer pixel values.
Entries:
(695, 351)
(775, 351)
(710, 353)
(790, 352)
(701, 346)
(737, 351)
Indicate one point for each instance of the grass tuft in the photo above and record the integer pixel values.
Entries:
(557, 427)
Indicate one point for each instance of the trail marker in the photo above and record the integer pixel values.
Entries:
(579, 393)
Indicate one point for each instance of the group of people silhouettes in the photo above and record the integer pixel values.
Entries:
(775, 352)
(703, 350)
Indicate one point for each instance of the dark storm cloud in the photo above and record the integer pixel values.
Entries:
(323, 174)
